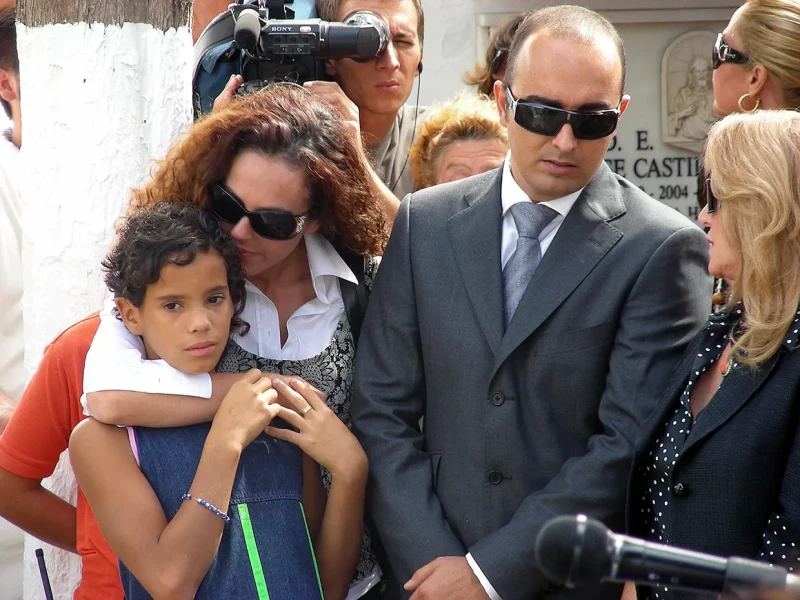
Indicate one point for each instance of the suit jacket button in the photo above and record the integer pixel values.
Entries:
(495, 477)
(680, 489)
(498, 398)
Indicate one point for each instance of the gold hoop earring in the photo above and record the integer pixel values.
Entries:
(742, 108)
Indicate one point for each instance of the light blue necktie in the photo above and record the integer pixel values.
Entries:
(531, 219)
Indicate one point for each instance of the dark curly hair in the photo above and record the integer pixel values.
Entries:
(286, 121)
(168, 233)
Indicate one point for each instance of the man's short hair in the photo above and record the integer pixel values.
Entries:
(328, 10)
(9, 59)
(572, 22)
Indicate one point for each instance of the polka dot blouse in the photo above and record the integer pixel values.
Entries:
(666, 449)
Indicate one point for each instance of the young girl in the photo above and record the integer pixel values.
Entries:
(221, 509)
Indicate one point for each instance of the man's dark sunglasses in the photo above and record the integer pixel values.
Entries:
(723, 53)
(712, 202)
(271, 223)
(548, 120)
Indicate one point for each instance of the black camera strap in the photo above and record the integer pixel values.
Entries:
(277, 9)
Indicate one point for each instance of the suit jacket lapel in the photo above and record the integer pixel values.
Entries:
(475, 234)
(729, 399)
(582, 241)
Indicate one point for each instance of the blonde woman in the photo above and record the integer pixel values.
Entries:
(458, 139)
(718, 466)
(756, 59)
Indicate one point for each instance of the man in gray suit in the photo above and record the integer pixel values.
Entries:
(532, 315)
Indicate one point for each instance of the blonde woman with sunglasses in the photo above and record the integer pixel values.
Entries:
(717, 468)
(756, 59)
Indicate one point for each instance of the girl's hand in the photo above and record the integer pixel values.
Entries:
(320, 433)
(246, 410)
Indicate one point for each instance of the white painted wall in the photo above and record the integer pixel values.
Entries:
(99, 103)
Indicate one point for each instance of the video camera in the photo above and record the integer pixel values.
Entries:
(264, 41)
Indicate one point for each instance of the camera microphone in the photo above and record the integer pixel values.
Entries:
(247, 29)
(363, 31)
(578, 551)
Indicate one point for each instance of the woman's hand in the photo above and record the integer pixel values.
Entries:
(320, 433)
(247, 409)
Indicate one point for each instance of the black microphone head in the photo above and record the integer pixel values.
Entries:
(574, 550)
(374, 35)
(247, 29)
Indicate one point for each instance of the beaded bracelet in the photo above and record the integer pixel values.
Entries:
(210, 507)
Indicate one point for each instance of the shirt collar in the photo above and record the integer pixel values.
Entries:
(793, 335)
(325, 265)
(511, 193)
(731, 319)
(323, 259)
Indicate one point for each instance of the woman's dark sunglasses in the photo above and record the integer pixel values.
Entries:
(712, 202)
(548, 120)
(723, 53)
(499, 60)
(272, 223)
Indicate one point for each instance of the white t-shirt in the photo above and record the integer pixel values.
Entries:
(12, 372)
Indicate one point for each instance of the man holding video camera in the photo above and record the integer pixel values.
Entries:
(372, 94)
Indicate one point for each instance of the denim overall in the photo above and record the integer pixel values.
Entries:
(265, 552)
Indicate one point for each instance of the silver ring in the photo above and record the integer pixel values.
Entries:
(307, 410)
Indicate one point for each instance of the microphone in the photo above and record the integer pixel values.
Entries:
(247, 29)
(579, 551)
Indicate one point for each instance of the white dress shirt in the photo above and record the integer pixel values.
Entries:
(510, 194)
(116, 358)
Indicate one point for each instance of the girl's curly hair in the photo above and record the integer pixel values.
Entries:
(286, 121)
(169, 233)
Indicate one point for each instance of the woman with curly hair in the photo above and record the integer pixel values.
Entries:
(458, 139)
(290, 183)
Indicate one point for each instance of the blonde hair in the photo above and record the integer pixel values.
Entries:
(770, 33)
(465, 118)
(753, 161)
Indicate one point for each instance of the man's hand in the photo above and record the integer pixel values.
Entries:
(228, 93)
(7, 407)
(446, 578)
(334, 95)
(629, 592)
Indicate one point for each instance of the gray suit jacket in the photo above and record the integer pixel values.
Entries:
(533, 422)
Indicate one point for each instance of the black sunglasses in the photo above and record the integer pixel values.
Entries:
(712, 202)
(499, 60)
(548, 120)
(271, 223)
(723, 53)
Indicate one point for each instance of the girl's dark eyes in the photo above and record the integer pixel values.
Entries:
(171, 305)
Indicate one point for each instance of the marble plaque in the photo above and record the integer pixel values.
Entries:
(687, 99)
